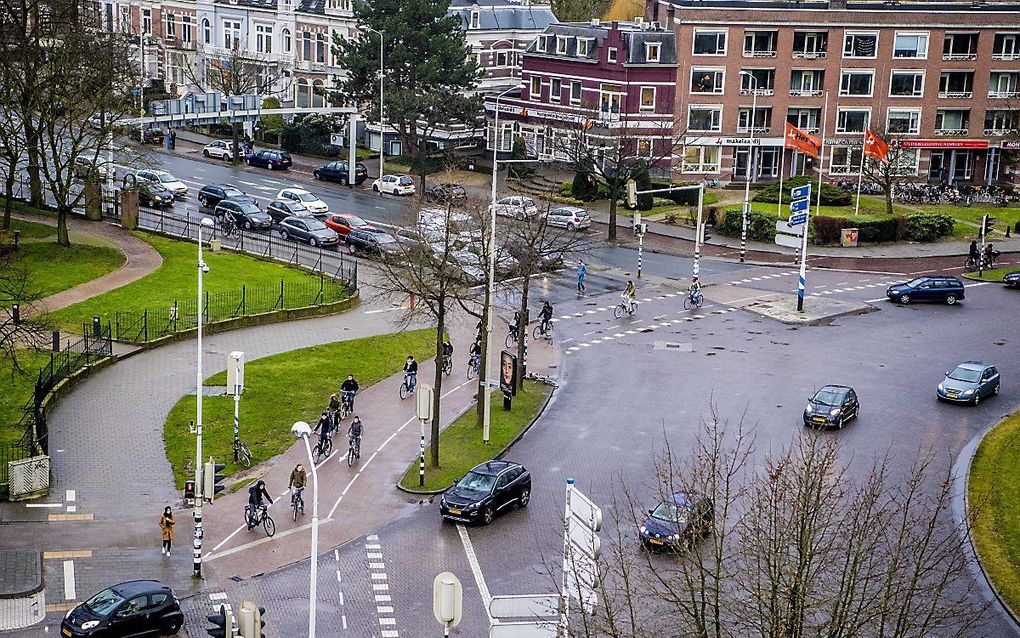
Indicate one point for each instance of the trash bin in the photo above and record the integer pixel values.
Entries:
(848, 238)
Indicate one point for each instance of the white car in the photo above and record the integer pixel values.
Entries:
(301, 196)
(220, 149)
(168, 181)
(517, 207)
(394, 185)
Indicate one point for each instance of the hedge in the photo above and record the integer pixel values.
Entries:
(760, 226)
(687, 197)
(928, 226)
(831, 195)
(827, 229)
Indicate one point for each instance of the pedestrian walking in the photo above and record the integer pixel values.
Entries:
(166, 525)
(173, 139)
(582, 272)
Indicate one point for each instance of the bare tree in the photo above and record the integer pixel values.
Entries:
(22, 328)
(899, 164)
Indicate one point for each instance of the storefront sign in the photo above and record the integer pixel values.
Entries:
(707, 140)
(943, 143)
(1010, 144)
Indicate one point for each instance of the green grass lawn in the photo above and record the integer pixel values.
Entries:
(284, 388)
(1004, 216)
(17, 392)
(54, 268)
(992, 275)
(31, 230)
(176, 279)
(460, 443)
(994, 503)
(871, 208)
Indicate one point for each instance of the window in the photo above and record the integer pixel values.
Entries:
(652, 51)
(856, 83)
(999, 122)
(147, 21)
(960, 46)
(288, 44)
(501, 58)
(910, 45)
(905, 121)
(318, 94)
(806, 119)
(952, 121)
(583, 44)
(852, 120)
(186, 28)
(810, 44)
(645, 147)
(760, 44)
(306, 45)
(561, 44)
(575, 92)
(536, 88)
(762, 119)
(555, 89)
(906, 84)
(610, 99)
(1006, 46)
(956, 84)
(264, 38)
(301, 93)
(648, 98)
(709, 42)
(759, 81)
(206, 31)
(232, 34)
(707, 80)
(475, 19)
(540, 44)
(701, 117)
(904, 161)
(806, 82)
(845, 160)
(1004, 84)
(860, 45)
(170, 30)
(701, 159)
(611, 54)
(320, 48)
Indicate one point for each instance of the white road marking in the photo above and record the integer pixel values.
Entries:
(44, 504)
(69, 590)
(233, 550)
(476, 569)
(69, 496)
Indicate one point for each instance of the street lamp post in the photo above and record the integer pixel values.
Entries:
(202, 269)
(303, 431)
(750, 166)
(382, 116)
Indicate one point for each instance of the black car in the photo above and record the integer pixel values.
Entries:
(485, 491)
(373, 242)
(1012, 279)
(281, 209)
(154, 194)
(931, 288)
(133, 608)
(273, 160)
(153, 136)
(308, 229)
(832, 405)
(443, 193)
(337, 172)
(244, 214)
(677, 522)
(212, 194)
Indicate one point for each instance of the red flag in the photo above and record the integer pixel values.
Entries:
(798, 140)
(875, 146)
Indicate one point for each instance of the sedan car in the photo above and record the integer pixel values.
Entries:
(569, 217)
(281, 209)
(969, 382)
(132, 608)
(373, 243)
(469, 266)
(443, 193)
(1012, 279)
(485, 491)
(166, 179)
(832, 405)
(677, 522)
(517, 207)
(84, 167)
(155, 195)
(930, 288)
(394, 185)
(244, 214)
(337, 172)
(212, 194)
(220, 149)
(308, 229)
(300, 195)
(273, 160)
(343, 223)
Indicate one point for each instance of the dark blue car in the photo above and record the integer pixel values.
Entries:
(677, 522)
(938, 288)
(969, 382)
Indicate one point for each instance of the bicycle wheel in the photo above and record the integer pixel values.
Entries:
(244, 455)
(510, 341)
(350, 455)
(447, 366)
(688, 302)
(404, 390)
(471, 371)
(536, 332)
(700, 299)
(294, 507)
(618, 311)
(345, 410)
(269, 525)
(249, 521)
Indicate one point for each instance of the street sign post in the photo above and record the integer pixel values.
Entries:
(798, 205)
(423, 407)
(536, 606)
(797, 220)
(582, 521)
(801, 192)
(447, 601)
(790, 241)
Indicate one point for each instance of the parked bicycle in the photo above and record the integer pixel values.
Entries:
(241, 453)
(260, 516)
(693, 300)
(542, 378)
(474, 366)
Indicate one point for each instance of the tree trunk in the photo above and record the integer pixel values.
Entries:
(34, 177)
(62, 238)
(9, 196)
(523, 331)
(438, 390)
(888, 196)
(612, 210)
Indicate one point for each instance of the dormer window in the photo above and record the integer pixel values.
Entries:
(561, 44)
(611, 54)
(540, 44)
(652, 51)
(475, 19)
(582, 47)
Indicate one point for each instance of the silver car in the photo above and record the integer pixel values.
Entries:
(569, 217)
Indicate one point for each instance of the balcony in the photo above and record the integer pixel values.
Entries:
(759, 92)
(960, 56)
(757, 129)
(809, 55)
(759, 53)
(999, 95)
(956, 95)
(1006, 56)
(999, 132)
(951, 132)
(805, 92)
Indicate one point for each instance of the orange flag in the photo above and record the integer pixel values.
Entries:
(798, 140)
(875, 146)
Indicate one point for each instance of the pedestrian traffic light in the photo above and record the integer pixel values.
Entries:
(249, 620)
(224, 623)
(631, 194)
(636, 217)
(213, 479)
(987, 223)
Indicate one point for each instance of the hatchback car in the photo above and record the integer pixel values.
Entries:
(569, 217)
(132, 608)
(281, 209)
(300, 195)
(84, 167)
(166, 179)
(443, 193)
(677, 522)
(273, 160)
(244, 214)
(337, 172)
(1012, 279)
(152, 136)
(374, 243)
(220, 149)
(308, 229)
(832, 405)
(394, 185)
(155, 195)
(517, 207)
(969, 382)
(212, 194)
(343, 223)
(933, 288)
(485, 491)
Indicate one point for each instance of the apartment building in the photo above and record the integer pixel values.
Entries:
(610, 80)
(941, 79)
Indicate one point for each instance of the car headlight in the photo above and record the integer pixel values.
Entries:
(833, 411)
(967, 392)
(941, 387)
(89, 625)
(808, 408)
(643, 529)
(674, 537)
(68, 613)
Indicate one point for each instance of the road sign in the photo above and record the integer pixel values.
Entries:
(801, 192)
(533, 607)
(586, 511)
(797, 220)
(783, 227)
(581, 547)
(337, 139)
(799, 205)
(790, 241)
(582, 580)
(545, 629)
(447, 599)
(582, 539)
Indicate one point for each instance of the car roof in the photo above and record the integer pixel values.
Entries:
(973, 365)
(294, 189)
(494, 467)
(833, 386)
(131, 588)
(680, 498)
(573, 209)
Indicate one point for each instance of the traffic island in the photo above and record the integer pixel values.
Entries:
(22, 596)
(782, 306)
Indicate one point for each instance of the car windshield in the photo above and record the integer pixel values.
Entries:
(383, 238)
(476, 482)
(103, 603)
(314, 224)
(249, 209)
(230, 191)
(829, 396)
(406, 181)
(965, 374)
(356, 222)
(672, 512)
(297, 208)
(307, 197)
(166, 178)
(916, 282)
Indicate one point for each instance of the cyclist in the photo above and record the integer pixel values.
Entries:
(475, 354)
(348, 389)
(256, 494)
(629, 295)
(298, 478)
(326, 425)
(514, 328)
(975, 252)
(546, 316)
(694, 290)
(354, 435)
(447, 350)
(990, 255)
(410, 372)
(227, 225)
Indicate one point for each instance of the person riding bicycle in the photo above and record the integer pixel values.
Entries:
(630, 296)
(256, 494)
(348, 389)
(227, 224)
(975, 252)
(298, 478)
(514, 327)
(990, 254)
(354, 435)
(694, 290)
(447, 350)
(326, 425)
(410, 372)
(545, 314)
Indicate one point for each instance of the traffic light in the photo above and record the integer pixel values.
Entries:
(213, 479)
(636, 218)
(224, 621)
(987, 223)
(631, 194)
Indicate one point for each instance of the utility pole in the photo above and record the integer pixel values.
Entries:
(750, 166)
(199, 496)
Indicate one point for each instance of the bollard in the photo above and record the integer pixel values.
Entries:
(16, 313)
(17, 237)
(97, 326)
(56, 341)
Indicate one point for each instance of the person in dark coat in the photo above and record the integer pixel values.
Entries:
(166, 525)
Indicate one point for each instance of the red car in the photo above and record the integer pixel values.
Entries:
(343, 223)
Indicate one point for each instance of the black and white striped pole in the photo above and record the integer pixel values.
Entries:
(423, 408)
(639, 230)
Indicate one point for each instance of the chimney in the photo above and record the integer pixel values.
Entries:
(595, 22)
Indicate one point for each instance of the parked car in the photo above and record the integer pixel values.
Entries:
(155, 195)
(832, 405)
(152, 136)
(373, 243)
(132, 608)
(311, 202)
(470, 266)
(1012, 279)
(281, 209)
(516, 206)
(244, 214)
(677, 522)
(308, 229)
(343, 223)
(266, 158)
(569, 217)
(337, 172)
(83, 167)
(394, 185)
(464, 229)
(212, 194)
(164, 178)
(485, 491)
(930, 288)
(220, 149)
(443, 193)
(969, 382)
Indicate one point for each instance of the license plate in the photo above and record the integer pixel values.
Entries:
(654, 542)
(65, 631)
(819, 419)
(455, 512)
(952, 395)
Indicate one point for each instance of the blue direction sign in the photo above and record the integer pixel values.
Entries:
(799, 205)
(801, 192)
(797, 220)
